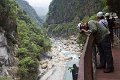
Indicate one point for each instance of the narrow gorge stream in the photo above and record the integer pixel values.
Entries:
(65, 53)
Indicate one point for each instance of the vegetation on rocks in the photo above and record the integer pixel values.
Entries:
(62, 30)
(32, 42)
(32, 39)
(64, 15)
(30, 11)
(5, 78)
(64, 11)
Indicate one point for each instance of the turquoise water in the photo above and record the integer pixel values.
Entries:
(75, 60)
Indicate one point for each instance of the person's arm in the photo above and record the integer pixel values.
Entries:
(87, 32)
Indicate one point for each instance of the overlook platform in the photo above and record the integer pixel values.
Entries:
(100, 75)
(87, 68)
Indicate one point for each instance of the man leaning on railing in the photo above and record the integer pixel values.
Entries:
(102, 40)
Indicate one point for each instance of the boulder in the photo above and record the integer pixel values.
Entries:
(44, 66)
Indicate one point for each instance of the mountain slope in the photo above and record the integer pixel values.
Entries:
(41, 12)
(63, 11)
(29, 10)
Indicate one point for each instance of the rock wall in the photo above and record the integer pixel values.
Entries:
(64, 11)
(8, 43)
(29, 10)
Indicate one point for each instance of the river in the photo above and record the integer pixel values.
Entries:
(65, 53)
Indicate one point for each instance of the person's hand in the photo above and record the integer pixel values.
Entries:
(88, 32)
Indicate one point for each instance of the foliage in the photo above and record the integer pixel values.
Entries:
(5, 78)
(10, 9)
(64, 11)
(87, 18)
(106, 9)
(81, 39)
(27, 66)
(32, 42)
(63, 30)
(30, 11)
(104, 3)
(93, 17)
(32, 38)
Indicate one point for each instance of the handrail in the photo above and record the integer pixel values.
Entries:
(86, 66)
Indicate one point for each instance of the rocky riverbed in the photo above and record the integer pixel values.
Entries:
(62, 52)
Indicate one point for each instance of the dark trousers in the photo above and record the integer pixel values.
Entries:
(95, 55)
(111, 36)
(105, 52)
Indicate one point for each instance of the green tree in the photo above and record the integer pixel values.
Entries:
(32, 38)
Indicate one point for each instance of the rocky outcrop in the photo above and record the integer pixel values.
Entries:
(14, 61)
(64, 11)
(30, 11)
(8, 42)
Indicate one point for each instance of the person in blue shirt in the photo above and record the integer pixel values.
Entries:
(102, 20)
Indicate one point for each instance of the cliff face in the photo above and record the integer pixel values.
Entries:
(63, 11)
(22, 41)
(8, 41)
(29, 10)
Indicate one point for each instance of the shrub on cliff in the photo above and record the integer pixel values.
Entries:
(32, 40)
